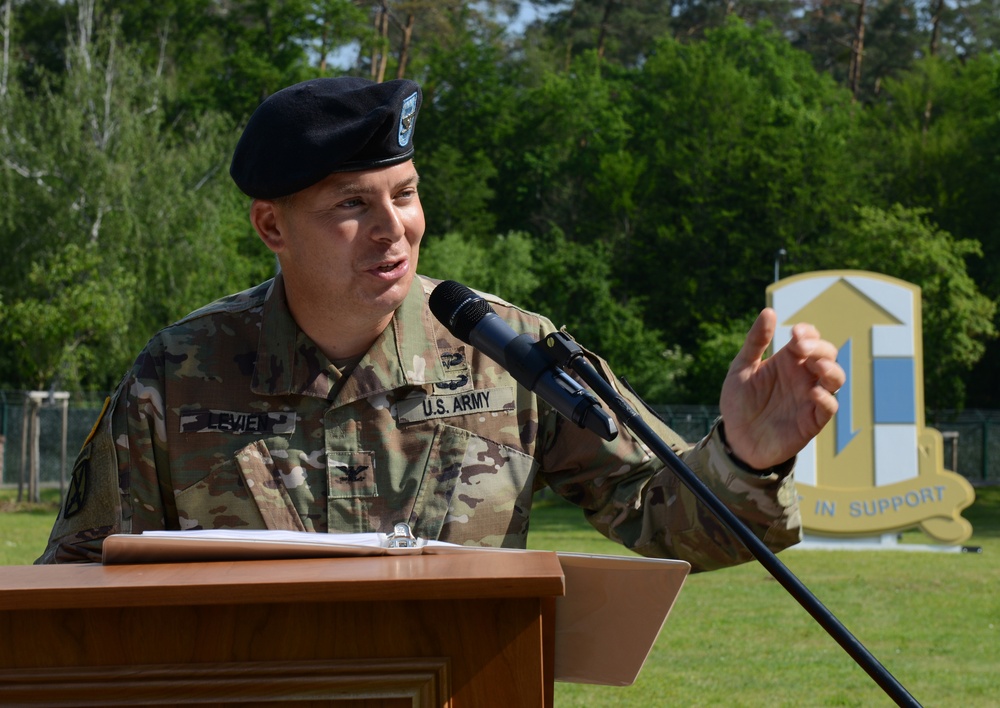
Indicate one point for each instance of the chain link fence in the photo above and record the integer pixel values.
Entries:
(43, 430)
(972, 437)
(971, 443)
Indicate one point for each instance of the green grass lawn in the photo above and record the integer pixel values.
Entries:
(737, 638)
(24, 527)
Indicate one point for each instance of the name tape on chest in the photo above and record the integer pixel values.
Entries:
(212, 421)
(487, 400)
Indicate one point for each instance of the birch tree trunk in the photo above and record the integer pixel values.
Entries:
(857, 50)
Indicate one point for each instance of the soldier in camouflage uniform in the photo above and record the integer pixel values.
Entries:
(330, 400)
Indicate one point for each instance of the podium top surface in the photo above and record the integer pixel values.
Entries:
(489, 573)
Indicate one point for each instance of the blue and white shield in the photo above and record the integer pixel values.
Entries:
(407, 119)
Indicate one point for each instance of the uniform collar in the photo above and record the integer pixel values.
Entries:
(404, 355)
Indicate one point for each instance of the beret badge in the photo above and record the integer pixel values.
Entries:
(407, 118)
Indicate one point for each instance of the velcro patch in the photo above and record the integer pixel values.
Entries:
(212, 421)
(456, 366)
(79, 485)
(97, 423)
(487, 400)
(350, 474)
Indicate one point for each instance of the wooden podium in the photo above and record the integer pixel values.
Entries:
(470, 629)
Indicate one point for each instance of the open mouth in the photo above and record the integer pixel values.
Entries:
(390, 269)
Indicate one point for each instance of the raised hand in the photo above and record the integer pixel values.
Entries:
(772, 407)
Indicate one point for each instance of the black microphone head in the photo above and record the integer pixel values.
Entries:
(458, 308)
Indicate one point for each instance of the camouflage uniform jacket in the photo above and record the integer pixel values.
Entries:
(233, 418)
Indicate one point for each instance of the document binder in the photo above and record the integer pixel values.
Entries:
(230, 544)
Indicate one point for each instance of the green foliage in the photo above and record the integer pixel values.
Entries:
(941, 146)
(457, 192)
(578, 293)
(957, 318)
(571, 284)
(502, 265)
(695, 169)
(718, 344)
(938, 144)
(227, 57)
(64, 317)
(130, 214)
(650, 162)
(621, 31)
(747, 151)
(567, 124)
(39, 31)
(465, 129)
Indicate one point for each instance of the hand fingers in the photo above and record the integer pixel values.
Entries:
(820, 360)
(817, 350)
(828, 373)
(819, 357)
(803, 340)
(826, 405)
(758, 338)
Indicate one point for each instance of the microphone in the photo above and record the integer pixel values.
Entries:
(470, 318)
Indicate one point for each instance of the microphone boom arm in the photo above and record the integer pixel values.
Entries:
(564, 352)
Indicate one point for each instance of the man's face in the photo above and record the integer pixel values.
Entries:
(351, 242)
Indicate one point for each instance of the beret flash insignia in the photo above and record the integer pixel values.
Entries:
(407, 118)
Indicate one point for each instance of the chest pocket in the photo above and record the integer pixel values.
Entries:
(474, 491)
(244, 492)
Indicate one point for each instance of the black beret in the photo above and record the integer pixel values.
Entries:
(305, 132)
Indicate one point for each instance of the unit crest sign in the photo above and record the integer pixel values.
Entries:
(875, 469)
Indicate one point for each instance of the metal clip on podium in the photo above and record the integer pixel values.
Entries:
(401, 537)
(564, 352)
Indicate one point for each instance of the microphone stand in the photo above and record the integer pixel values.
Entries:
(563, 352)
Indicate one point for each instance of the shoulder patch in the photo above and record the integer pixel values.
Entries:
(76, 495)
(79, 483)
(97, 423)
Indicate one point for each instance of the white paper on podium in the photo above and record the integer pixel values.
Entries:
(231, 544)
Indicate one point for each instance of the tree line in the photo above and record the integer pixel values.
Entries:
(631, 168)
